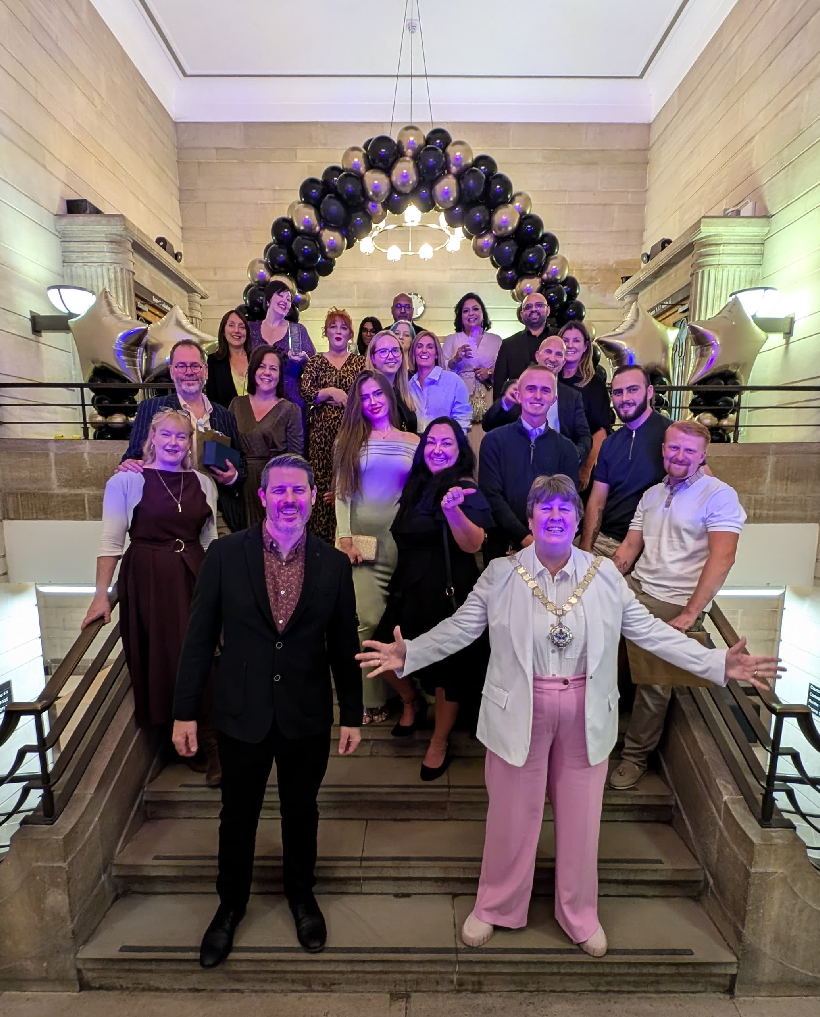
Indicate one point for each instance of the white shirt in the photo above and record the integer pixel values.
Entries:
(547, 659)
(676, 523)
(443, 394)
(533, 432)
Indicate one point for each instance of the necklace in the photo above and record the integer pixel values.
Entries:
(168, 489)
(560, 634)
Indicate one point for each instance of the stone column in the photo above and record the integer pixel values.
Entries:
(98, 255)
(195, 310)
(727, 256)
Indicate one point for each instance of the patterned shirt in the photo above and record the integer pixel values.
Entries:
(283, 577)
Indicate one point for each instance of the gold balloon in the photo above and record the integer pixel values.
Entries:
(522, 202)
(377, 185)
(446, 191)
(292, 207)
(459, 157)
(355, 161)
(411, 140)
(258, 272)
(728, 423)
(332, 243)
(404, 176)
(301, 301)
(305, 218)
(117, 420)
(97, 337)
(484, 243)
(286, 279)
(525, 286)
(707, 419)
(557, 269)
(376, 211)
(730, 341)
(639, 339)
(162, 335)
(95, 420)
(505, 220)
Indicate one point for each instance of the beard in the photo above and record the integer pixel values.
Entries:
(626, 415)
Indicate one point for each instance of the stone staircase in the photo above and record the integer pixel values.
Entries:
(398, 866)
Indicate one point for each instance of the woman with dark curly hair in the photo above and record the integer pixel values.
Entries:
(368, 327)
(471, 351)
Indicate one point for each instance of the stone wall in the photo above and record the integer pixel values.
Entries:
(77, 120)
(743, 125)
(586, 180)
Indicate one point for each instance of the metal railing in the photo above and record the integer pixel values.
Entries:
(82, 721)
(759, 780)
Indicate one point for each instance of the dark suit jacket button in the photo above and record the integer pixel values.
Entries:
(279, 646)
(276, 677)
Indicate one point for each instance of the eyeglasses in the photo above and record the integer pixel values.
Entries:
(385, 354)
(189, 368)
(403, 307)
(368, 330)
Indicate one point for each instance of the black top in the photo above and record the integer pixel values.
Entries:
(408, 421)
(515, 356)
(572, 420)
(219, 387)
(629, 463)
(508, 465)
(596, 401)
(262, 672)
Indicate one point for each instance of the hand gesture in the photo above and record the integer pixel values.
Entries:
(300, 358)
(510, 397)
(349, 738)
(741, 666)
(353, 553)
(184, 738)
(482, 373)
(455, 497)
(129, 466)
(384, 656)
(464, 351)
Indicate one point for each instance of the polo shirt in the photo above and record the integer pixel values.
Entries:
(630, 462)
(676, 523)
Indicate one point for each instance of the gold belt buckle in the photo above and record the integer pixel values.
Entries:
(179, 540)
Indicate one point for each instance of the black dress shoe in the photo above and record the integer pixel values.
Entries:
(434, 772)
(419, 720)
(311, 930)
(218, 938)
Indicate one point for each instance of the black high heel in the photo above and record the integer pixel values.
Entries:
(419, 720)
(434, 772)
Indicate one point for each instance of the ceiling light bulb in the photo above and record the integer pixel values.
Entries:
(412, 215)
(425, 252)
(366, 245)
(394, 253)
(73, 300)
(453, 244)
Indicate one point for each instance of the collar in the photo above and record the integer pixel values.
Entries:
(272, 547)
(529, 430)
(434, 375)
(699, 472)
(187, 408)
(567, 571)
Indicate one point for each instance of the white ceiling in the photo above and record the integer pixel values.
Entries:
(525, 60)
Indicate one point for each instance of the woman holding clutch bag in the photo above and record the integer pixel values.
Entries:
(371, 463)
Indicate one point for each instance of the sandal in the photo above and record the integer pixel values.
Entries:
(375, 714)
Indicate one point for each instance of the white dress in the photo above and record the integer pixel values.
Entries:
(485, 352)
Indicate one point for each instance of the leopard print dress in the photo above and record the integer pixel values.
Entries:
(323, 425)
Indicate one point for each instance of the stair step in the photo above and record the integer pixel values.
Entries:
(385, 787)
(400, 856)
(379, 943)
(378, 741)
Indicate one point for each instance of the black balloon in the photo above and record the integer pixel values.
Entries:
(277, 258)
(529, 231)
(431, 163)
(382, 152)
(350, 240)
(247, 290)
(312, 191)
(330, 176)
(549, 242)
(487, 165)
(507, 278)
(324, 266)
(556, 297)
(350, 190)
(366, 145)
(499, 190)
(476, 220)
(505, 253)
(333, 212)
(283, 231)
(307, 279)
(532, 260)
(255, 300)
(360, 224)
(439, 138)
(575, 311)
(725, 402)
(454, 216)
(396, 203)
(571, 287)
(472, 184)
(423, 198)
(306, 251)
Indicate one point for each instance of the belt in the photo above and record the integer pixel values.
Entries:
(177, 544)
(552, 682)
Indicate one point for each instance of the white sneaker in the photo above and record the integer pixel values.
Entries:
(474, 932)
(596, 945)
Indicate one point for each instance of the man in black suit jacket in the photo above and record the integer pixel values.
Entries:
(283, 601)
(518, 351)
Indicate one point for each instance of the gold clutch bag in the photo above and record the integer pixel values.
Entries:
(367, 546)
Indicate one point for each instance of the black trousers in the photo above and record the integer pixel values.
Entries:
(300, 768)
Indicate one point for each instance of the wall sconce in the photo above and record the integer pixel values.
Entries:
(71, 301)
(763, 305)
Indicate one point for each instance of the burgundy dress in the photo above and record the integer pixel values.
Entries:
(156, 583)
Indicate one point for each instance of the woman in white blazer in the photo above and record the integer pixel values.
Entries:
(549, 709)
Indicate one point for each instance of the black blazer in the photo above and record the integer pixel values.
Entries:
(261, 672)
(219, 387)
(515, 356)
(571, 418)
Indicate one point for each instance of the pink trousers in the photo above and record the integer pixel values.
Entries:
(557, 762)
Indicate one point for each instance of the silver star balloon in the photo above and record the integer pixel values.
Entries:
(730, 341)
(97, 337)
(162, 335)
(639, 339)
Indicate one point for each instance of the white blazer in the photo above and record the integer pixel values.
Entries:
(504, 602)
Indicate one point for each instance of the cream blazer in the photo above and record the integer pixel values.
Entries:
(504, 602)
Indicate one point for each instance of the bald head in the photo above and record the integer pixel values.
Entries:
(402, 308)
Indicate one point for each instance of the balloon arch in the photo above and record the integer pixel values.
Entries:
(431, 171)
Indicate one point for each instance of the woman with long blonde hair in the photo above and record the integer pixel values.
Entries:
(385, 354)
(372, 460)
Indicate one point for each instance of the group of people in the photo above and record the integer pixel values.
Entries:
(587, 533)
